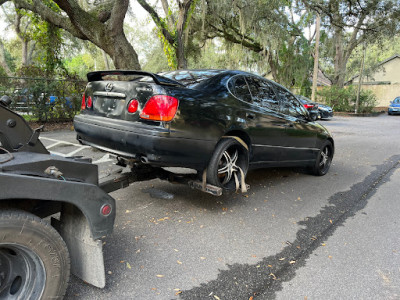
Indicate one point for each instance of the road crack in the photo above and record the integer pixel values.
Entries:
(265, 278)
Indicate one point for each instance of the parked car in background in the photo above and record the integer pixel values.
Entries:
(394, 107)
(66, 101)
(324, 112)
(217, 122)
(309, 105)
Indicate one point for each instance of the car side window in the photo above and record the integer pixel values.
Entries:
(239, 88)
(263, 94)
(290, 105)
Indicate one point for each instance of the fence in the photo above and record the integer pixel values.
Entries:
(42, 99)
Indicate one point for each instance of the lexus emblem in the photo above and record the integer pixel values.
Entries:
(109, 87)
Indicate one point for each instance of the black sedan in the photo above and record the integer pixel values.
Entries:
(217, 122)
(324, 111)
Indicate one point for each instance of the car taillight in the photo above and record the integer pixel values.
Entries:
(308, 106)
(83, 105)
(133, 106)
(160, 108)
(89, 102)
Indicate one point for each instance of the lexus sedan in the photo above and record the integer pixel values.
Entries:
(394, 107)
(219, 123)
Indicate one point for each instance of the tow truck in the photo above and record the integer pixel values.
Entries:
(54, 211)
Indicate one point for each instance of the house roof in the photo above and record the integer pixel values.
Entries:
(378, 65)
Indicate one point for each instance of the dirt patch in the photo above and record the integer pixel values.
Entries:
(347, 114)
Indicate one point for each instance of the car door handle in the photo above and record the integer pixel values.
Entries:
(250, 116)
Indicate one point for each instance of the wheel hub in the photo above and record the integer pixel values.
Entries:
(324, 157)
(228, 166)
(22, 273)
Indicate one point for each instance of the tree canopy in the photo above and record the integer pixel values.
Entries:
(269, 37)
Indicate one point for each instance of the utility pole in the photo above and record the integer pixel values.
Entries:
(360, 79)
(316, 55)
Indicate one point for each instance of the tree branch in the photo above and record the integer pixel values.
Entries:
(156, 18)
(51, 16)
(118, 15)
(82, 22)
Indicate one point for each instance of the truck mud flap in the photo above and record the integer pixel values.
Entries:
(86, 254)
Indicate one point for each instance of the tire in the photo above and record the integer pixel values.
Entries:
(324, 159)
(34, 259)
(229, 154)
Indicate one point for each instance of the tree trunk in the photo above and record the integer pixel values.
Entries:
(103, 26)
(176, 40)
(180, 48)
(106, 63)
(316, 56)
(24, 60)
(3, 62)
(121, 52)
(340, 63)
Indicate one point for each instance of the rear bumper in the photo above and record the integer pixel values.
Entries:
(135, 140)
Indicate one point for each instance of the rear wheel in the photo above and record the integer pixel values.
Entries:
(34, 259)
(228, 164)
(324, 159)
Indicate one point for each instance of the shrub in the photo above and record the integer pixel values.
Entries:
(44, 99)
(344, 99)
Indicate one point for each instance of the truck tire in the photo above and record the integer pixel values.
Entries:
(34, 260)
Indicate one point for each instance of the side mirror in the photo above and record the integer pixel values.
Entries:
(5, 101)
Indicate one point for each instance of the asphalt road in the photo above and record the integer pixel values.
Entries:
(292, 236)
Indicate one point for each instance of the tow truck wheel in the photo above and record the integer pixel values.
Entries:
(34, 260)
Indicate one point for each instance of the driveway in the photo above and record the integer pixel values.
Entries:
(292, 236)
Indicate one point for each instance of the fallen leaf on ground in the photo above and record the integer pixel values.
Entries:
(292, 262)
(128, 266)
(160, 276)
(273, 276)
(283, 258)
(216, 297)
(179, 262)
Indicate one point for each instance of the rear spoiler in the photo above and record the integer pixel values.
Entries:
(98, 76)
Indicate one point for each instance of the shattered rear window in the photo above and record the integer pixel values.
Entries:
(190, 78)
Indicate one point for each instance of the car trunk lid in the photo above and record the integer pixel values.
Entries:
(122, 94)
